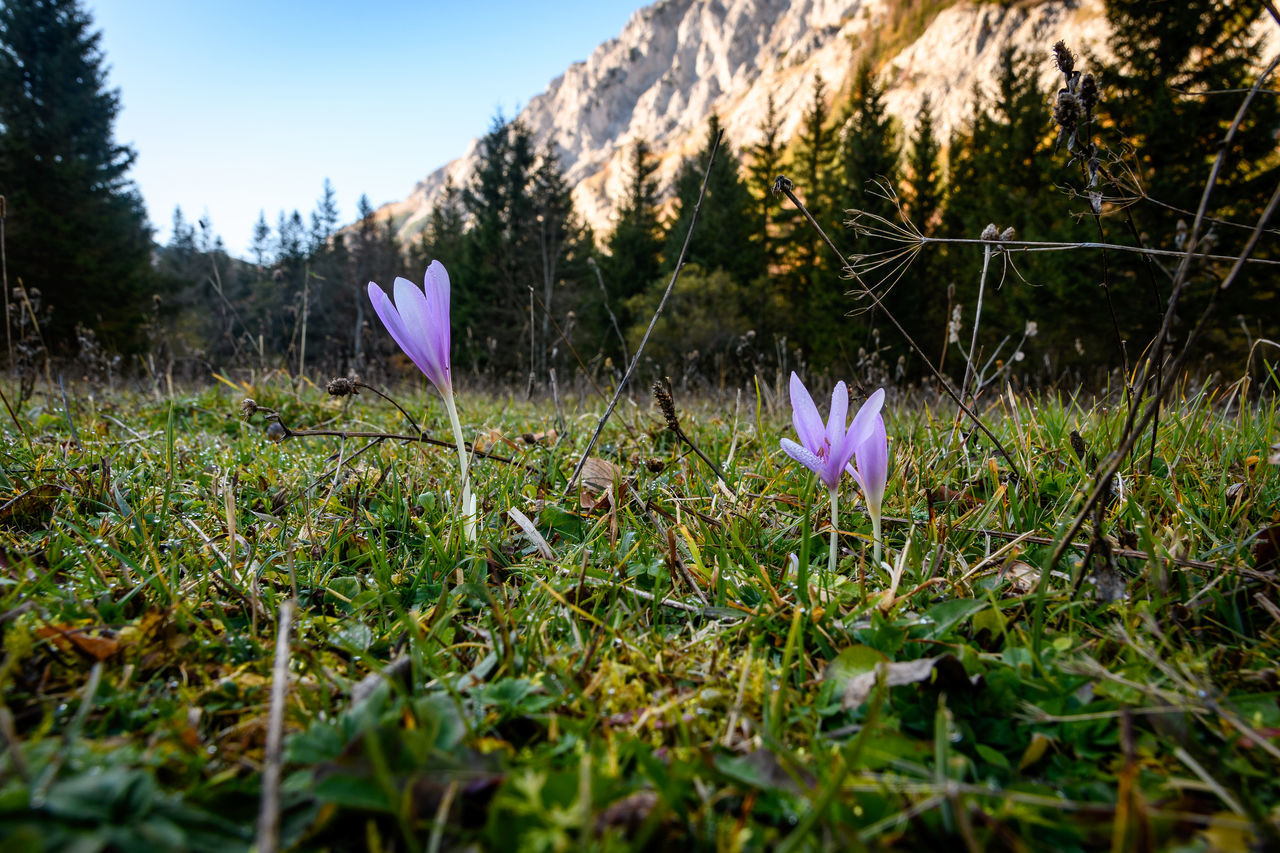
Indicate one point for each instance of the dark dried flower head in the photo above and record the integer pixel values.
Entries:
(1064, 57)
(248, 408)
(341, 387)
(990, 232)
(782, 184)
(1077, 445)
(1067, 110)
(1088, 93)
(662, 397)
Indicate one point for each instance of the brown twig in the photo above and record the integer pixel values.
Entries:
(268, 840)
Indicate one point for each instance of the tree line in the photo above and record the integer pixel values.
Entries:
(536, 289)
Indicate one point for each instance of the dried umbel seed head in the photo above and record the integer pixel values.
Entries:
(990, 233)
(342, 387)
(662, 397)
(782, 184)
(1088, 93)
(248, 408)
(1065, 59)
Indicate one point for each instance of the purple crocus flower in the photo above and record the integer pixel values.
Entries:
(419, 322)
(826, 449)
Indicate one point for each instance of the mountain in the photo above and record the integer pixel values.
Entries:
(678, 61)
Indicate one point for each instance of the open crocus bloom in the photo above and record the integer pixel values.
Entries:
(419, 322)
(827, 448)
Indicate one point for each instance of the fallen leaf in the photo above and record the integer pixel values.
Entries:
(597, 475)
(68, 638)
(950, 672)
(1022, 577)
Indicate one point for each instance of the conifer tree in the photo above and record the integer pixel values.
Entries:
(1003, 172)
(867, 148)
(1180, 73)
(725, 232)
(763, 169)
(76, 226)
(635, 247)
(923, 194)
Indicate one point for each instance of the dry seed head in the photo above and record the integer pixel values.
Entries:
(248, 408)
(990, 233)
(1008, 234)
(1067, 110)
(1064, 57)
(667, 405)
(341, 387)
(1088, 93)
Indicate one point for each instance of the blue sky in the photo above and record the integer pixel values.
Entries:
(236, 106)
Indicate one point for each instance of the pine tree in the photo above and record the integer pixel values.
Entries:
(636, 244)
(764, 168)
(76, 226)
(924, 152)
(867, 148)
(1179, 76)
(725, 232)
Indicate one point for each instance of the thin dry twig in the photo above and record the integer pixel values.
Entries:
(635, 359)
(268, 839)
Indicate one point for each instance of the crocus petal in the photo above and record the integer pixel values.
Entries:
(864, 421)
(435, 286)
(873, 464)
(805, 417)
(802, 455)
(424, 325)
(391, 318)
(836, 416)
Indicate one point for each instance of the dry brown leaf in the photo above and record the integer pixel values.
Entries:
(597, 475)
(69, 638)
(950, 673)
(1022, 577)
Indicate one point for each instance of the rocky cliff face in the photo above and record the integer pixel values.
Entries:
(678, 61)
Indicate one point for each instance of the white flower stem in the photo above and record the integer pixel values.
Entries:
(831, 558)
(875, 533)
(468, 502)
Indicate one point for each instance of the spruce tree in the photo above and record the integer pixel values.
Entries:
(1181, 71)
(763, 169)
(76, 226)
(867, 148)
(725, 234)
(923, 195)
(635, 246)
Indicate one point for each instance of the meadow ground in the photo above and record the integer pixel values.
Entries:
(651, 660)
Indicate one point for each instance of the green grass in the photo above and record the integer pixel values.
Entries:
(663, 681)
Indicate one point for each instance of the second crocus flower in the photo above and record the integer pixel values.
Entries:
(826, 449)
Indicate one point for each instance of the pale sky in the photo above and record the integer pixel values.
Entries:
(236, 106)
